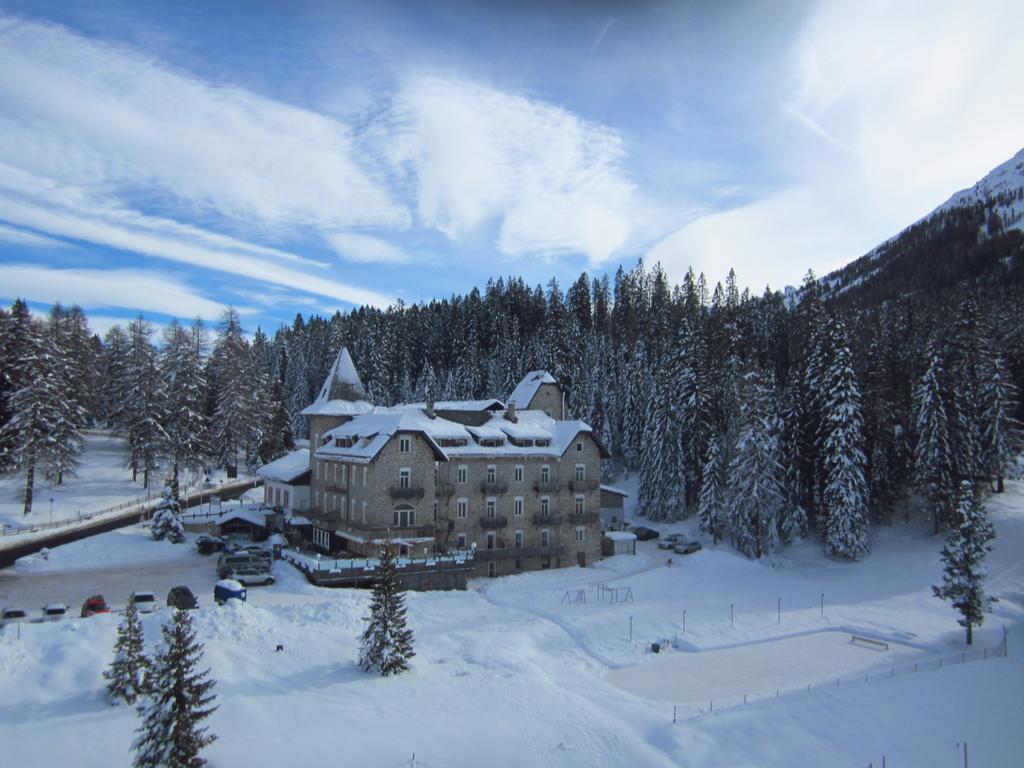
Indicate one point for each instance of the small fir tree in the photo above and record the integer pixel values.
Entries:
(964, 554)
(386, 644)
(711, 503)
(166, 524)
(130, 668)
(179, 700)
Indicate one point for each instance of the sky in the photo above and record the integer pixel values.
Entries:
(178, 158)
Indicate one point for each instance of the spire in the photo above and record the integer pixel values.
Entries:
(342, 382)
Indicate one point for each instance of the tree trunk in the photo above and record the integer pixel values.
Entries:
(970, 633)
(999, 484)
(30, 481)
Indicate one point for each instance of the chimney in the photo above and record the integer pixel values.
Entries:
(430, 409)
(510, 412)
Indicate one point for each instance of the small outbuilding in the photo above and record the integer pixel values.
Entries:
(244, 521)
(618, 543)
(286, 481)
(612, 508)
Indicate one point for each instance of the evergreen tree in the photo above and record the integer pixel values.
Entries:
(963, 555)
(184, 387)
(933, 457)
(128, 671)
(143, 412)
(1001, 438)
(845, 494)
(711, 506)
(179, 700)
(166, 522)
(386, 644)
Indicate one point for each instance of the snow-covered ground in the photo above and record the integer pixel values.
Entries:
(102, 481)
(540, 669)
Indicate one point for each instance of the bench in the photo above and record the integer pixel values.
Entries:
(878, 645)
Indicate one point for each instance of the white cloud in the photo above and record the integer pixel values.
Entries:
(106, 288)
(21, 237)
(892, 107)
(364, 248)
(555, 182)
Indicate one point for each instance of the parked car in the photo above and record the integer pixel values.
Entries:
(250, 576)
(670, 541)
(684, 548)
(12, 616)
(93, 605)
(235, 560)
(256, 551)
(182, 598)
(644, 534)
(54, 611)
(228, 589)
(208, 545)
(145, 602)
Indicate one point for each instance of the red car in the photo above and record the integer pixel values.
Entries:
(94, 604)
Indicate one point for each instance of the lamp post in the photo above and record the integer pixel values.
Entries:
(51, 510)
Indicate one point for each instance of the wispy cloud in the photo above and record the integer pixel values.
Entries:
(364, 248)
(604, 31)
(21, 237)
(107, 288)
(554, 183)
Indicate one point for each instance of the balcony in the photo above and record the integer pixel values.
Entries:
(337, 488)
(407, 492)
(583, 518)
(380, 531)
(546, 486)
(583, 486)
(496, 487)
(503, 553)
(544, 520)
(442, 488)
(493, 523)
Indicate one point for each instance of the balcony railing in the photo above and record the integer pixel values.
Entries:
(496, 487)
(546, 486)
(502, 553)
(337, 487)
(442, 488)
(493, 522)
(583, 518)
(379, 531)
(407, 492)
(582, 486)
(543, 520)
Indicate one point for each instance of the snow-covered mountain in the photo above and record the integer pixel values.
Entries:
(976, 235)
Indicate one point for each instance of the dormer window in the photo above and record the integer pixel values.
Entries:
(344, 442)
(404, 444)
(543, 443)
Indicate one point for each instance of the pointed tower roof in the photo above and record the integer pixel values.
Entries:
(342, 392)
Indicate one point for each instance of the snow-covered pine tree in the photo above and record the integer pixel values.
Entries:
(386, 643)
(845, 495)
(933, 456)
(967, 543)
(711, 505)
(184, 387)
(143, 410)
(127, 674)
(70, 415)
(1001, 438)
(166, 523)
(179, 699)
(233, 425)
(755, 490)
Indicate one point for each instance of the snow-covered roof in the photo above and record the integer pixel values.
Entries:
(457, 405)
(248, 514)
(617, 491)
(620, 535)
(287, 469)
(370, 432)
(523, 394)
(342, 393)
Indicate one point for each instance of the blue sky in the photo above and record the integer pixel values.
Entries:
(177, 158)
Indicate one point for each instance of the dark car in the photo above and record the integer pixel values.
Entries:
(684, 548)
(644, 534)
(209, 545)
(182, 598)
(93, 605)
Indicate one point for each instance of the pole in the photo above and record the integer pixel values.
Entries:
(780, 611)
(965, 754)
(51, 510)
(732, 614)
(823, 605)
(673, 713)
(630, 629)
(684, 621)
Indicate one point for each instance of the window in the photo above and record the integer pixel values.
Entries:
(404, 477)
(518, 506)
(463, 474)
(364, 477)
(316, 500)
(579, 504)
(316, 464)
(492, 474)
(545, 538)
(581, 472)
(404, 444)
(519, 563)
(351, 509)
(286, 505)
(435, 510)
(462, 505)
(492, 509)
(545, 473)
(579, 446)
(545, 506)
(520, 536)
(492, 569)
(460, 541)
(492, 540)
(364, 512)
(344, 473)
(404, 517)
(580, 535)
(519, 473)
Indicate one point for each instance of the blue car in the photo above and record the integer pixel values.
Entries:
(228, 589)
